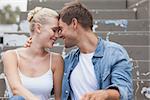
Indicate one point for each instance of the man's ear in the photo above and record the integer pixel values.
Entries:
(38, 27)
(74, 23)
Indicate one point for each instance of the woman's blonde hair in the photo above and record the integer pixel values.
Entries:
(40, 15)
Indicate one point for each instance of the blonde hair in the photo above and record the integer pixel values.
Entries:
(40, 15)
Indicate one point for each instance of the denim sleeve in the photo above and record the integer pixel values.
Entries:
(16, 98)
(121, 74)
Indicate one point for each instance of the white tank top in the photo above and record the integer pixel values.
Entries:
(83, 78)
(40, 86)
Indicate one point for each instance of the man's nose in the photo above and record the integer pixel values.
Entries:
(56, 35)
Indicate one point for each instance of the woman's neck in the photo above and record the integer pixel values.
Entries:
(36, 50)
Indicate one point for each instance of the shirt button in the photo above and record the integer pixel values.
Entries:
(66, 92)
(65, 73)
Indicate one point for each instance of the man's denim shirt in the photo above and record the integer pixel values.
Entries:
(112, 68)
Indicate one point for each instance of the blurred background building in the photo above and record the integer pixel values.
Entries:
(123, 21)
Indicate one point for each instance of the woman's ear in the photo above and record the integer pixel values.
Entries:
(74, 23)
(38, 27)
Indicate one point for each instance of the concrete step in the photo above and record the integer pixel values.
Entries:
(122, 25)
(142, 8)
(137, 52)
(113, 14)
(141, 69)
(126, 39)
(131, 2)
(5, 48)
(2, 87)
(1, 66)
(137, 3)
(139, 86)
(96, 4)
(105, 34)
(102, 14)
(58, 49)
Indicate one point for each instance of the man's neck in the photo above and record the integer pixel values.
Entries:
(88, 42)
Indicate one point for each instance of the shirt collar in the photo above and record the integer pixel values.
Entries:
(99, 52)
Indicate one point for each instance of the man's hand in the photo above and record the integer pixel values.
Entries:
(96, 95)
(109, 94)
(28, 43)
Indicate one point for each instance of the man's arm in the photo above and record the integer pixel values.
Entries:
(109, 94)
(121, 73)
(121, 78)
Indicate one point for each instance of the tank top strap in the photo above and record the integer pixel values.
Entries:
(50, 62)
(18, 57)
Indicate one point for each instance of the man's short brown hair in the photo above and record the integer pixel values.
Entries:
(79, 11)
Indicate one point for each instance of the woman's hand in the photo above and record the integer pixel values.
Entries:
(28, 43)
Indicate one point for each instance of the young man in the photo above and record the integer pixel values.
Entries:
(97, 69)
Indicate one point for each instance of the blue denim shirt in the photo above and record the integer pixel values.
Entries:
(112, 68)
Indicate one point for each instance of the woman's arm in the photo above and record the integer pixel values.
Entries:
(11, 72)
(58, 64)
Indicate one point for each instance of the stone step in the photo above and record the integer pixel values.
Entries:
(142, 7)
(126, 39)
(58, 49)
(138, 52)
(96, 4)
(1, 66)
(122, 25)
(131, 2)
(102, 14)
(137, 3)
(143, 11)
(138, 86)
(2, 87)
(113, 14)
(105, 34)
(141, 69)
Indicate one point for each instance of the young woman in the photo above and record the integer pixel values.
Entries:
(32, 72)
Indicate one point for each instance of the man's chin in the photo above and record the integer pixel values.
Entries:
(69, 46)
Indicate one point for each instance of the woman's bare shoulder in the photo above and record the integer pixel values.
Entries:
(10, 53)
